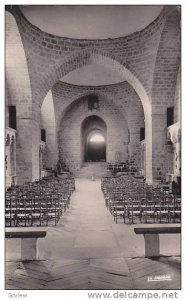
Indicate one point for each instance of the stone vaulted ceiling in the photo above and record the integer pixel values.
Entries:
(91, 21)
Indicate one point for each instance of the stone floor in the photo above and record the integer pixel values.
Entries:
(87, 250)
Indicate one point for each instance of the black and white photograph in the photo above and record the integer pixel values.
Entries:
(92, 157)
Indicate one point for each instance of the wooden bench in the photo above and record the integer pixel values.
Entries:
(151, 236)
(29, 249)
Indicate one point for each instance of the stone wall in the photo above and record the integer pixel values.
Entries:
(51, 57)
(120, 97)
(148, 60)
(70, 133)
(163, 91)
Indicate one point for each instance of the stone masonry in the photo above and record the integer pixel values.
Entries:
(148, 60)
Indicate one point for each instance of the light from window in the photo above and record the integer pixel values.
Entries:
(97, 138)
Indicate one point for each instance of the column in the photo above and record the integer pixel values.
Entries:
(24, 150)
(159, 133)
(134, 147)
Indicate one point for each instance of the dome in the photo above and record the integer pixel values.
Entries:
(91, 21)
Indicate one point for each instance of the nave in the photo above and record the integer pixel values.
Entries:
(98, 98)
(87, 250)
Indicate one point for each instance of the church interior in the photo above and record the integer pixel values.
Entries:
(93, 146)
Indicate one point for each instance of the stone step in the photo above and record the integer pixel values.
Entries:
(92, 170)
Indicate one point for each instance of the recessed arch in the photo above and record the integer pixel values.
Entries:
(93, 74)
(85, 57)
(93, 150)
(79, 96)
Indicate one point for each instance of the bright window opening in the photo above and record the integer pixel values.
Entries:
(97, 138)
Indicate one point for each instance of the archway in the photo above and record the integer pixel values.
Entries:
(86, 57)
(93, 139)
(95, 147)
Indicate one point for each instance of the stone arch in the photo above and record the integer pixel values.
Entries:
(74, 101)
(77, 98)
(85, 57)
(69, 133)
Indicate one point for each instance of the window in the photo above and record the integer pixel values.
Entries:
(43, 135)
(142, 134)
(170, 116)
(12, 117)
(93, 102)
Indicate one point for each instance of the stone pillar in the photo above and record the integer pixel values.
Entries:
(13, 156)
(52, 147)
(42, 159)
(28, 138)
(36, 136)
(24, 150)
(148, 149)
(134, 147)
(19, 94)
(142, 160)
(49, 124)
(159, 133)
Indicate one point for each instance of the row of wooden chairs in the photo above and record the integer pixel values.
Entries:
(146, 213)
(134, 201)
(40, 203)
(127, 167)
(117, 167)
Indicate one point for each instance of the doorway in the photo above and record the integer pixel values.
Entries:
(94, 139)
(95, 148)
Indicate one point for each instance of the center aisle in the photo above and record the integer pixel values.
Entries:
(93, 223)
(85, 244)
(85, 230)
